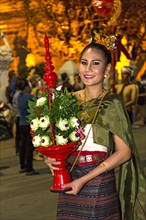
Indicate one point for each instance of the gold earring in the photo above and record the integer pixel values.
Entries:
(105, 76)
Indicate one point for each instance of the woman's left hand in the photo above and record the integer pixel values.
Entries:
(75, 186)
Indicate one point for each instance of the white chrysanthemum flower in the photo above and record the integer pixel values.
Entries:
(45, 141)
(41, 101)
(74, 136)
(74, 122)
(60, 140)
(36, 141)
(34, 124)
(62, 124)
(44, 122)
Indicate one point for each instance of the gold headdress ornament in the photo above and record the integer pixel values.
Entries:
(110, 42)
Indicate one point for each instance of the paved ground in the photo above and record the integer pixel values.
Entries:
(28, 197)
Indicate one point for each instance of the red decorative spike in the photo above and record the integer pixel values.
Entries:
(50, 77)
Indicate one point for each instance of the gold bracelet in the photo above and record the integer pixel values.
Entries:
(103, 164)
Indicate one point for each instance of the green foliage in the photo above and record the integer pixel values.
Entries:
(62, 115)
(35, 111)
(64, 105)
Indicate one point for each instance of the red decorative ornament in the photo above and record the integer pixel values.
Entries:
(103, 7)
(49, 77)
(60, 153)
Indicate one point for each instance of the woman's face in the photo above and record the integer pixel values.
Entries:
(93, 68)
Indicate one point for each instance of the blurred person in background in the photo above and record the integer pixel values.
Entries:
(143, 82)
(66, 82)
(128, 90)
(11, 89)
(17, 116)
(141, 103)
(78, 85)
(6, 121)
(26, 147)
(36, 83)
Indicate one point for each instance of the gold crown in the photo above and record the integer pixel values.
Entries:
(110, 42)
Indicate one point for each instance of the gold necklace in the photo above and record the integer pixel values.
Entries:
(94, 118)
(85, 97)
(84, 114)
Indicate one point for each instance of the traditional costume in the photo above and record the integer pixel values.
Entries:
(98, 199)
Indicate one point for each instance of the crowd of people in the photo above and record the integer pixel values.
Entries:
(18, 92)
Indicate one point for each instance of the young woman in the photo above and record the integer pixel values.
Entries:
(108, 144)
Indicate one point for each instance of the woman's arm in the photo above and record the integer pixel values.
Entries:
(122, 154)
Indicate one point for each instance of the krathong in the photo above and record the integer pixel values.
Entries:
(55, 124)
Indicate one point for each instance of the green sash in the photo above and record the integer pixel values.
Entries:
(112, 120)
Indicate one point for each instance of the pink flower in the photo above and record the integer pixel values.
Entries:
(80, 131)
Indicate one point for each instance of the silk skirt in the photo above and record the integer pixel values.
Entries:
(97, 200)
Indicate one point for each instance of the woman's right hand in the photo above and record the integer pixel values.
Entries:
(51, 163)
